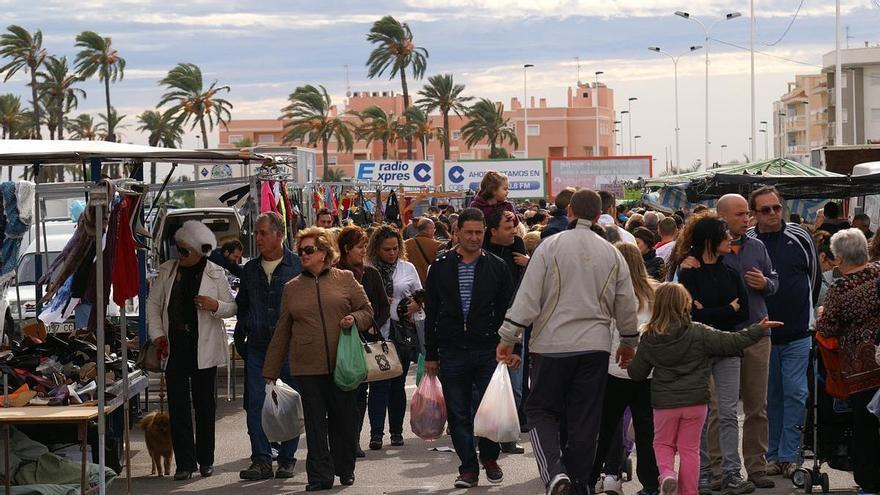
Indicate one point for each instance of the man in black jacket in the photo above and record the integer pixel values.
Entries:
(468, 291)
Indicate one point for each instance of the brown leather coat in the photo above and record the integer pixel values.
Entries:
(308, 323)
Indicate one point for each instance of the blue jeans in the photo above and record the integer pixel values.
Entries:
(465, 375)
(261, 451)
(787, 399)
(390, 396)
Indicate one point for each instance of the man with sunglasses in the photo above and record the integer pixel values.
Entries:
(796, 261)
(259, 301)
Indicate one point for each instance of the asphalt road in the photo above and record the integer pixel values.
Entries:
(411, 469)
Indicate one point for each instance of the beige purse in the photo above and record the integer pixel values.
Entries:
(383, 362)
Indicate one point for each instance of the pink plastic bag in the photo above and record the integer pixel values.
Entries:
(427, 414)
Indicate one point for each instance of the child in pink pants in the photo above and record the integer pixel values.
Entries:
(679, 352)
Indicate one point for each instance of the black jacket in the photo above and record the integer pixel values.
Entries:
(557, 224)
(445, 326)
(654, 265)
(506, 254)
(715, 286)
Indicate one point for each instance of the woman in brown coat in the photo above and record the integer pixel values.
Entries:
(316, 306)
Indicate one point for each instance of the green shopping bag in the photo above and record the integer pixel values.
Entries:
(420, 370)
(351, 366)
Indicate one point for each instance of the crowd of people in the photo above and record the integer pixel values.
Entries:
(604, 314)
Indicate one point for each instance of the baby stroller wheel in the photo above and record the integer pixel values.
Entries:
(824, 481)
(629, 469)
(803, 478)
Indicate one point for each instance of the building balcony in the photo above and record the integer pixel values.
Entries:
(796, 150)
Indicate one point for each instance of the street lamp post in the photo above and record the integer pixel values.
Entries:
(854, 120)
(635, 144)
(596, 104)
(622, 113)
(526, 109)
(722, 154)
(782, 116)
(617, 138)
(706, 31)
(675, 73)
(629, 115)
(764, 130)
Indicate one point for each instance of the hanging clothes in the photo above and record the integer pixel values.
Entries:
(109, 258)
(126, 277)
(16, 226)
(267, 198)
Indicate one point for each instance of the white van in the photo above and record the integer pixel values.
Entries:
(869, 205)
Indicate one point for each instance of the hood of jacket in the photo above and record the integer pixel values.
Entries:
(671, 349)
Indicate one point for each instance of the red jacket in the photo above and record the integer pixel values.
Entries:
(487, 209)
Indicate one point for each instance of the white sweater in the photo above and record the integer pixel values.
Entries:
(575, 286)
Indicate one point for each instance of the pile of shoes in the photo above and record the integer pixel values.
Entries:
(56, 371)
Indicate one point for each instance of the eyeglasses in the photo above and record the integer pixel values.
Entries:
(309, 250)
(768, 209)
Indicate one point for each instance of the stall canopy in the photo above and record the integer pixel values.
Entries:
(27, 152)
(778, 167)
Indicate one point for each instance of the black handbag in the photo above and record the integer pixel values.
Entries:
(359, 213)
(392, 209)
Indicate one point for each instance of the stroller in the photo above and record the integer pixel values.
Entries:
(828, 431)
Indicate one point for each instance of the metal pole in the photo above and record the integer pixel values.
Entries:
(838, 80)
(99, 199)
(677, 129)
(596, 104)
(38, 265)
(629, 125)
(706, 130)
(123, 330)
(855, 120)
(809, 125)
(752, 50)
(525, 111)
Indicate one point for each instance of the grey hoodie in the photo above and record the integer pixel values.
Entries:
(681, 361)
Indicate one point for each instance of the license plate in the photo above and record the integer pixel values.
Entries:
(62, 327)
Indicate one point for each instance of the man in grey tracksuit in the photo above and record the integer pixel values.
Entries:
(576, 284)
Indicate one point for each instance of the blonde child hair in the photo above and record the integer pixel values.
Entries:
(642, 284)
(672, 309)
(490, 184)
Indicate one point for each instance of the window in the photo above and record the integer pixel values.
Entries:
(845, 115)
(456, 135)
(875, 78)
(331, 160)
(266, 139)
(519, 154)
(430, 158)
(875, 115)
(233, 138)
(466, 156)
(360, 156)
(586, 94)
(534, 130)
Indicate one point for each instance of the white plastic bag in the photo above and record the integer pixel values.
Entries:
(496, 417)
(874, 405)
(282, 413)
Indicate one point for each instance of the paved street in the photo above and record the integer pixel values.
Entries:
(411, 469)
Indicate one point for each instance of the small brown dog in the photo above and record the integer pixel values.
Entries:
(157, 432)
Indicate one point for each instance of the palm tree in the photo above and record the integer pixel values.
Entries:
(334, 175)
(56, 84)
(25, 126)
(313, 119)
(10, 113)
(421, 128)
(190, 100)
(83, 127)
(376, 125)
(487, 122)
(99, 56)
(25, 51)
(163, 130)
(395, 52)
(441, 93)
(110, 124)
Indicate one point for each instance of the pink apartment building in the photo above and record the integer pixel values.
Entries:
(568, 131)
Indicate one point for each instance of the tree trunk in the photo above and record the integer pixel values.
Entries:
(424, 141)
(325, 147)
(111, 132)
(51, 133)
(36, 102)
(61, 124)
(384, 149)
(204, 131)
(409, 143)
(446, 135)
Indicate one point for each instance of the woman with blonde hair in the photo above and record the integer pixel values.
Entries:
(317, 306)
(622, 392)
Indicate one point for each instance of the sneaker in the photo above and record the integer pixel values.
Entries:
(774, 468)
(493, 471)
(600, 485)
(668, 486)
(735, 485)
(512, 448)
(706, 487)
(376, 442)
(789, 469)
(284, 471)
(467, 480)
(761, 480)
(715, 485)
(559, 485)
(612, 485)
(396, 440)
(257, 471)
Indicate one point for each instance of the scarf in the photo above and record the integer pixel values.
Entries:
(387, 272)
(357, 270)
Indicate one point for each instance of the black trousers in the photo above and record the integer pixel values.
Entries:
(620, 393)
(571, 388)
(866, 442)
(331, 429)
(191, 389)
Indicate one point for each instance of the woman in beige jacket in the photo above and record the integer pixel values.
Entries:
(316, 306)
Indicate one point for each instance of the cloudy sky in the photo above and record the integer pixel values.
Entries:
(264, 49)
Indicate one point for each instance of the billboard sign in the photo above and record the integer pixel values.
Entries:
(600, 173)
(396, 172)
(527, 177)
